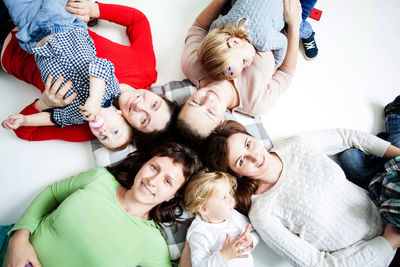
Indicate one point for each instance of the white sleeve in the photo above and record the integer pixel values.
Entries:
(200, 252)
(374, 252)
(333, 141)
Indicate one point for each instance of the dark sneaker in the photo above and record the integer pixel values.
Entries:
(310, 47)
(393, 107)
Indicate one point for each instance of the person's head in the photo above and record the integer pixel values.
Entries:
(232, 149)
(155, 176)
(225, 52)
(112, 130)
(202, 112)
(210, 194)
(146, 111)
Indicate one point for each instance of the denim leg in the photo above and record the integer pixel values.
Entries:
(305, 27)
(393, 128)
(359, 167)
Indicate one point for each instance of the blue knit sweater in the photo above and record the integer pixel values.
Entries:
(264, 18)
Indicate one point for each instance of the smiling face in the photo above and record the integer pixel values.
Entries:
(157, 181)
(220, 205)
(247, 156)
(144, 110)
(204, 110)
(111, 128)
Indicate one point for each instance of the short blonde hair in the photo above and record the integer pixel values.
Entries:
(201, 187)
(213, 50)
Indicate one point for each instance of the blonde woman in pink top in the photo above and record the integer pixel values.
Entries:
(253, 92)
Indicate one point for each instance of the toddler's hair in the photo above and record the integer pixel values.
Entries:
(213, 51)
(201, 188)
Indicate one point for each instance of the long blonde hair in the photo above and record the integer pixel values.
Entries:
(213, 51)
(201, 187)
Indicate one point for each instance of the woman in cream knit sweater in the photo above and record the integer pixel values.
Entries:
(302, 205)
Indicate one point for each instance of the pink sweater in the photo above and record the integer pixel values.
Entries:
(259, 86)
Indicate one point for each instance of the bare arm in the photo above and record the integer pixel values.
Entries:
(210, 13)
(185, 257)
(18, 120)
(93, 102)
(292, 18)
(392, 152)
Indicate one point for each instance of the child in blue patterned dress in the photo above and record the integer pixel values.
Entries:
(63, 48)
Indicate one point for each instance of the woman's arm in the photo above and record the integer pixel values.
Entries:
(333, 141)
(292, 18)
(210, 13)
(374, 252)
(47, 200)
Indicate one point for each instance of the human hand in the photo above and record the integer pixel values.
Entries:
(232, 250)
(13, 122)
(53, 95)
(392, 235)
(83, 10)
(247, 238)
(91, 108)
(20, 251)
(292, 13)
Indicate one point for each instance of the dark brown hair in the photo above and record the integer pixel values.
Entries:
(215, 156)
(125, 173)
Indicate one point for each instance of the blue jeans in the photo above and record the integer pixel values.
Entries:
(36, 19)
(4, 240)
(361, 168)
(305, 27)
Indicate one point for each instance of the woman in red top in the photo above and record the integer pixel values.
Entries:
(134, 68)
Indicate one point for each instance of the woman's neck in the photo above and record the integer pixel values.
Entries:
(130, 205)
(124, 87)
(272, 175)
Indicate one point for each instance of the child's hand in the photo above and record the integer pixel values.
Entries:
(90, 110)
(13, 122)
(234, 249)
(248, 240)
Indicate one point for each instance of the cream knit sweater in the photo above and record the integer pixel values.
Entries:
(313, 216)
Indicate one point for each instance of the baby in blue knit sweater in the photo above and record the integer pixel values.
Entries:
(248, 26)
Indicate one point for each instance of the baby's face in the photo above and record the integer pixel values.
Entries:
(111, 128)
(220, 206)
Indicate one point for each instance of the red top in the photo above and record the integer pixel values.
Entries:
(134, 65)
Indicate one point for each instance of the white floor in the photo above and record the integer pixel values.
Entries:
(355, 75)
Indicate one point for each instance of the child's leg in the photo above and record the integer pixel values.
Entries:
(393, 128)
(38, 19)
(305, 27)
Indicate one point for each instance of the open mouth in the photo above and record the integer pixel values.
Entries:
(262, 163)
(146, 190)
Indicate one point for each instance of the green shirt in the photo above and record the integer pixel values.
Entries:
(79, 222)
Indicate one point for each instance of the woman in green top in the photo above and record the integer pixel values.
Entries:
(106, 216)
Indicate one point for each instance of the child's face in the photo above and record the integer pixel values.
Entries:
(112, 130)
(144, 110)
(220, 206)
(242, 54)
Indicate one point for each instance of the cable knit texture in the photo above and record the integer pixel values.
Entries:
(264, 19)
(313, 216)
